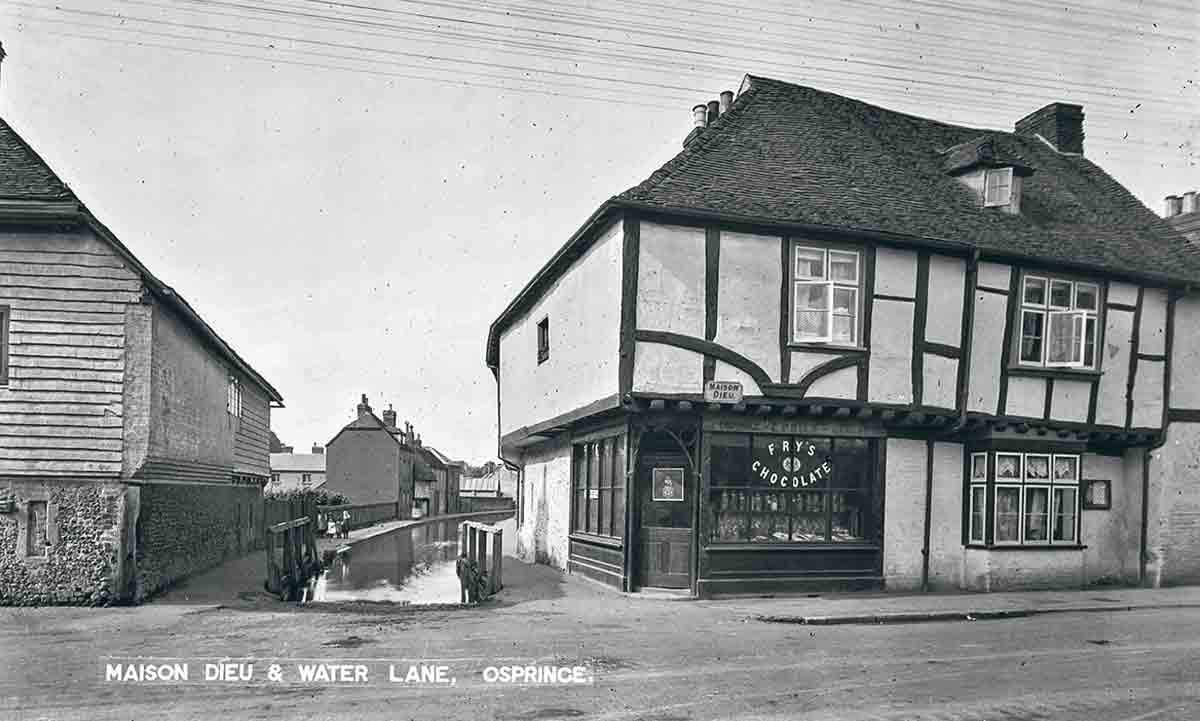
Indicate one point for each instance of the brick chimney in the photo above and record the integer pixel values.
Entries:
(318, 450)
(389, 418)
(363, 407)
(1059, 124)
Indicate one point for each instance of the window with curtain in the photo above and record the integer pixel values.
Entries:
(1059, 321)
(1034, 496)
(826, 295)
(791, 489)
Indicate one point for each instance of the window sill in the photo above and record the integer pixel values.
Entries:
(796, 546)
(827, 347)
(609, 541)
(1026, 547)
(1043, 372)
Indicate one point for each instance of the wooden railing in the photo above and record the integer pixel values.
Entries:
(288, 577)
(481, 553)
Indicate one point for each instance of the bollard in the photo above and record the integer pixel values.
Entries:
(497, 558)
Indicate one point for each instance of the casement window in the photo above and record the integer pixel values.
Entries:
(306, 480)
(543, 340)
(997, 185)
(274, 479)
(234, 402)
(598, 487)
(789, 489)
(1034, 499)
(1059, 322)
(826, 295)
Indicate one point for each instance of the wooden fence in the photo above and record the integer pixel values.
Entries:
(360, 515)
(483, 545)
(296, 541)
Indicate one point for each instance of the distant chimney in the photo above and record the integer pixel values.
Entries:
(1172, 206)
(418, 441)
(726, 101)
(699, 116)
(287, 449)
(1189, 202)
(318, 450)
(389, 417)
(363, 407)
(1059, 124)
(714, 109)
(2, 53)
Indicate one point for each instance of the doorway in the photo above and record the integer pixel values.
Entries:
(666, 491)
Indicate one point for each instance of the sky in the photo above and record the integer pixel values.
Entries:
(350, 192)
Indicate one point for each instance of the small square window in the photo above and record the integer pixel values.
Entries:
(543, 340)
(998, 187)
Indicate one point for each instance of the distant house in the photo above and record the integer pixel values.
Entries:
(501, 482)
(133, 439)
(297, 471)
(441, 494)
(1183, 213)
(372, 461)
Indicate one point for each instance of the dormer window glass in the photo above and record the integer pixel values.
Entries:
(1059, 319)
(998, 184)
(825, 295)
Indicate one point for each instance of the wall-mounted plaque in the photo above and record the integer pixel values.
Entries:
(723, 392)
(667, 484)
(1097, 495)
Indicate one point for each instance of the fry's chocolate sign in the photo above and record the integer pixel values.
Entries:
(792, 464)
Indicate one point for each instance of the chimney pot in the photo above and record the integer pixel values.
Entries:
(726, 101)
(1189, 202)
(1172, 205)
(700, 116)
(363, 407)
(1060, 124)
(714, 109)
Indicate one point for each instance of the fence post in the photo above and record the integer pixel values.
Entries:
(462, 539)
(497, 558)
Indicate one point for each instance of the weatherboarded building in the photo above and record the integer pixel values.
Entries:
(133, 439)
(831, 345)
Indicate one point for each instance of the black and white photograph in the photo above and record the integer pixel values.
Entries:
(582, 360)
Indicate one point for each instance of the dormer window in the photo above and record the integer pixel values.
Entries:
(998, 187)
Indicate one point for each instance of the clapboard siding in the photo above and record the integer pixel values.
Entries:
(61, 410)
(251, 444)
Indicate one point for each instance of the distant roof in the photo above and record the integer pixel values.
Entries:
(811, 160)
(29, 189)
(298, 462)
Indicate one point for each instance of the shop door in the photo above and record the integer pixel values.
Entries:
(666, 489)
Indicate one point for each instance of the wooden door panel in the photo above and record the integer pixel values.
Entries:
(666, 557)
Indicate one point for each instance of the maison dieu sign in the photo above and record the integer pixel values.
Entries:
(791, 464)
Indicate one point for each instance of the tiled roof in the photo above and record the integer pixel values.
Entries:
(793, 154)
(23, 174)
(301, 462)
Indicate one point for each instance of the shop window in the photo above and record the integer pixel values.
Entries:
(826, 295)
(598, 487)
(789, 489)
(1034, 498)
(1059, 321)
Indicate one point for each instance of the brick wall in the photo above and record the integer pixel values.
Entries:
(1173, 532)
(82, 563)
(186, 528)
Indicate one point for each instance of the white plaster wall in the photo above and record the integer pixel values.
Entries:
(584, 307)
(1110, 398)
(543, 534)
(1152, 336)
(662, 368)
(841, 383)
(671, 279)
(1185, 354)
(943, 323)
(802, 363)
(1148, 394)
(1173, 531)
(941, 381)
(891, 352)
(994, 275)
(946, 517)
(748, 302)
(1112, 536)
(1070, 401)
(895, 272)
(1026, 396)
(725, 372)
(1027, 569)
(904, 514)
(987, 343)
